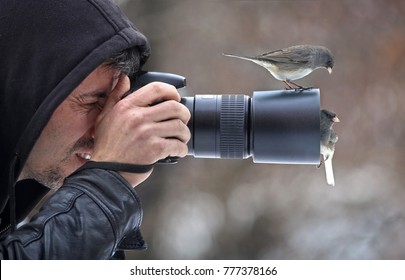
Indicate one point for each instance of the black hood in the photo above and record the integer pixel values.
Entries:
(47, 48)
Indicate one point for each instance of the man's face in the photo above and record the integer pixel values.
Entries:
(67, 141)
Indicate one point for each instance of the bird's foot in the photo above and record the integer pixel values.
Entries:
(294, 86)
(321, 162)
(289, 86)
(301, 89)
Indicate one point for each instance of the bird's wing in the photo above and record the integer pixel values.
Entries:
(289, 55)
(333, 137)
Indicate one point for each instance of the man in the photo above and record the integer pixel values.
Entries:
(63, 102)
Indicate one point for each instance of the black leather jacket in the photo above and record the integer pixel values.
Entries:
(95, 213)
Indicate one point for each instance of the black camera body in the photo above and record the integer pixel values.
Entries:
(278, 126)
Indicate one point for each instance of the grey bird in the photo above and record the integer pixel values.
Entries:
(293, 63)
(328, 141)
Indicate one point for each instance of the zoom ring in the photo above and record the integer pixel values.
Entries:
(232, 127)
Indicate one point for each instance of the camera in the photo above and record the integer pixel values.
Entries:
(277, 126)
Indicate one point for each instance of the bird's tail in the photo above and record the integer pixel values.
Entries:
(240, 57)
(330, 178)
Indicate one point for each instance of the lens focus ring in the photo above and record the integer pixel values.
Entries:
(233, 126)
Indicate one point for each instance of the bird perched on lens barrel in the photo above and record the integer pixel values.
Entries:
(328, 141)
(293, 63)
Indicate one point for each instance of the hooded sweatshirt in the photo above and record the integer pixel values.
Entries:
(47, 48)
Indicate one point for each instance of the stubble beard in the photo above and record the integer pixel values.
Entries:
(54, 176)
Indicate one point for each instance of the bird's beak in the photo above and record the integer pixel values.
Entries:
(329, 70)
(335, 119)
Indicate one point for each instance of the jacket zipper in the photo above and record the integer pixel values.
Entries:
(4, 230)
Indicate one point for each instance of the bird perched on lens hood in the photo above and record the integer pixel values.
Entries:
(328, 141)
(293, 63)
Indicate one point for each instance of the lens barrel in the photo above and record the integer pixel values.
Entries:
(219, 126)
(271, 127)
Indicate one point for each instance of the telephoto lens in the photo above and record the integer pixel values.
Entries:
(278, 126)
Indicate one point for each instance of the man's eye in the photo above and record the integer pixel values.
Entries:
(99, 104)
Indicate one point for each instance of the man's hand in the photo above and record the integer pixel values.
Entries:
(142, 128)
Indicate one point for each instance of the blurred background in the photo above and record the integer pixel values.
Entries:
(237, 209)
